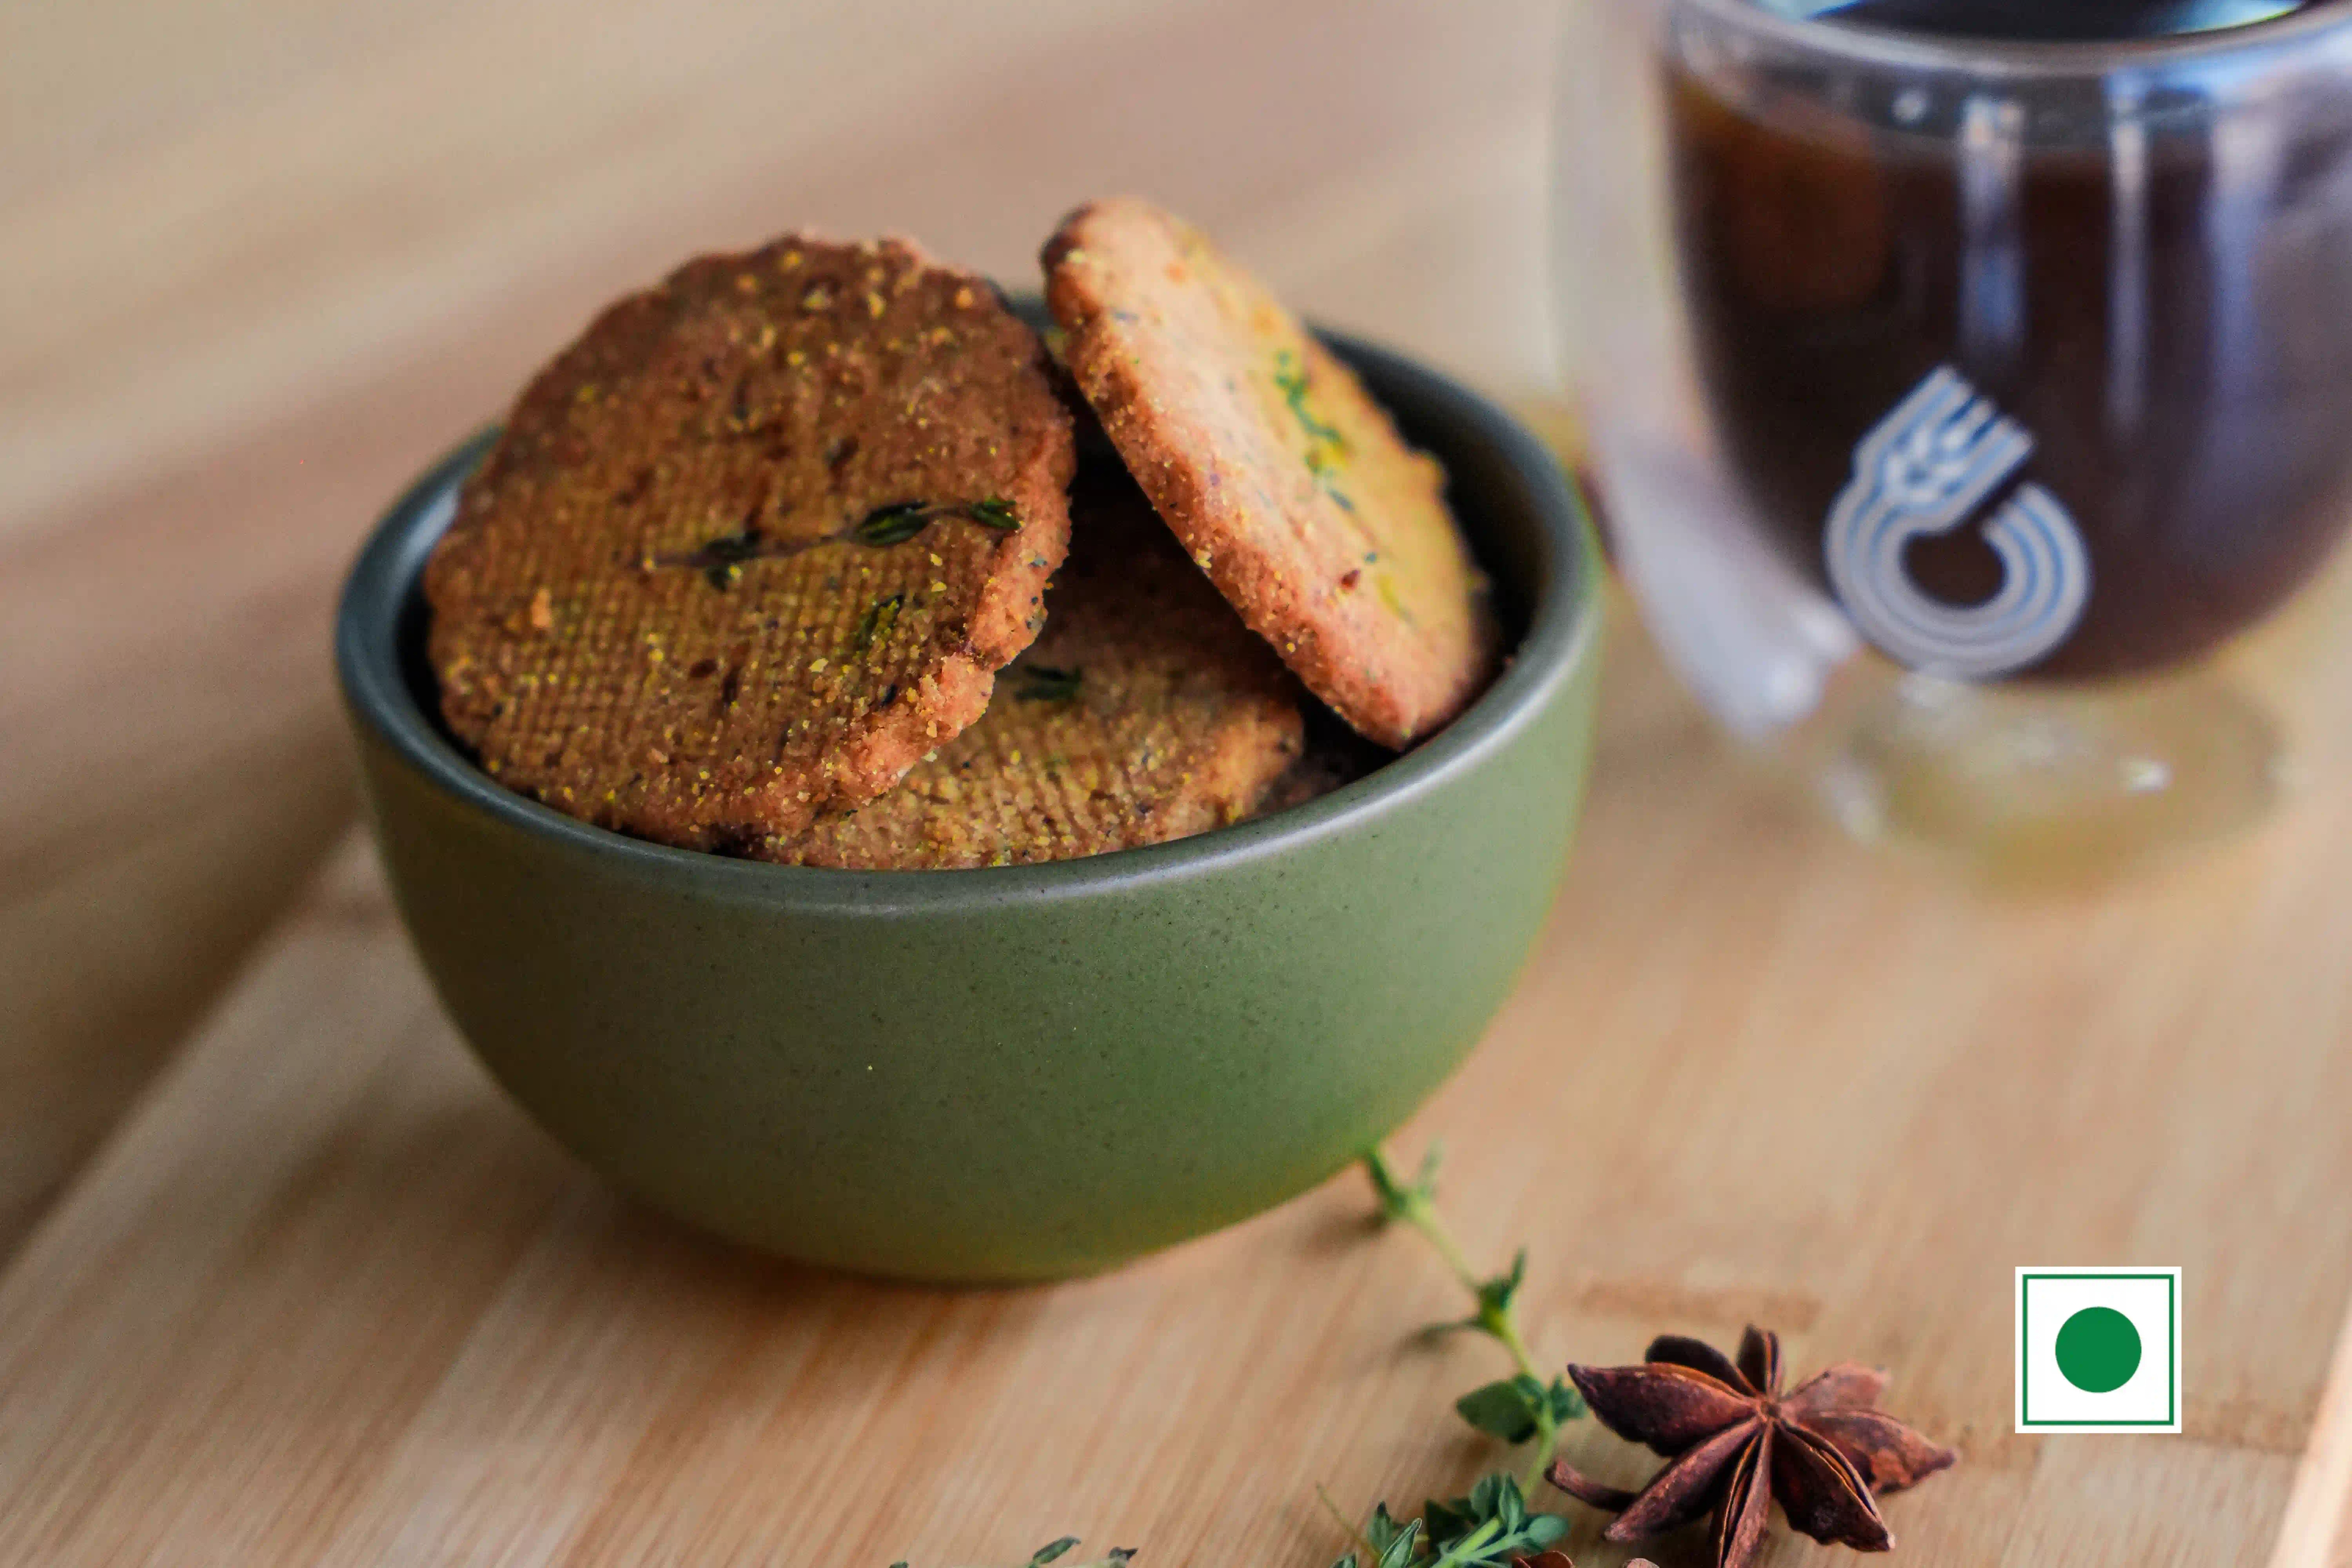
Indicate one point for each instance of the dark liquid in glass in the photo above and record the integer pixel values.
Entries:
(2059, 21)
(2160, 295)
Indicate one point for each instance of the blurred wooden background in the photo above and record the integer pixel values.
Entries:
(263, 258)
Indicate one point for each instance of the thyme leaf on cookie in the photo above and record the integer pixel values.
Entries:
(1325, 445)
(901, 520)
(994, 513)
(1323, 441)
(721, 560)
(893, 524)
(876, 622)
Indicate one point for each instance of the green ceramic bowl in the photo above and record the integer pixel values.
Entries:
(1015, 1073)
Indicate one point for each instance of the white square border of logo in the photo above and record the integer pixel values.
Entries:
(2018, 1349)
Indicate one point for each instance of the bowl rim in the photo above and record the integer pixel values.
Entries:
(1562, 632)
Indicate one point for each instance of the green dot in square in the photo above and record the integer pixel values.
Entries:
(2098, 1350)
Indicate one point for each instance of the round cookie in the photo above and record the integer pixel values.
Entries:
(1145, 712)
(755, 543)
(1286, 482)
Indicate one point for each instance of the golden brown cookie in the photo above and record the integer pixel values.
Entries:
(1145, 712)
(755, 543)
(1284, 480)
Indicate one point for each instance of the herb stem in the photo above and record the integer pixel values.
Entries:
(1417, 1210)
(1371, 1553)
(1505, 1327)
(1459, 1552)
(1423, 1216)
(1540, 1461)
(1414, 1205)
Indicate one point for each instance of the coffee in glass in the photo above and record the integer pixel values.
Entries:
(2010, 339)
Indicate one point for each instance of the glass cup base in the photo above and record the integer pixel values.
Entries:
(2045, 785)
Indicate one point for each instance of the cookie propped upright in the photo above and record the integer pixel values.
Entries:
(1283, 479)
(754, 544)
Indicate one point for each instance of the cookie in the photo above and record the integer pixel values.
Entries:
(1145, 712)
(754, 544)
(1283, 479)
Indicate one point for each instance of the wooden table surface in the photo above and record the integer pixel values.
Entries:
(290, 1284)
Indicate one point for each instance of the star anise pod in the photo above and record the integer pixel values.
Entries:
(1738, 1443)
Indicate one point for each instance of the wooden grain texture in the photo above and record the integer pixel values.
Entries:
(2320, 1510)
(327, 1299)
(402, 180)
(265, 257)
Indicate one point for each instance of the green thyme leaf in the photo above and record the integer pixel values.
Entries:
(1515, 1409)
(1497, 1295)
(894, 524)
(1502, 1409)
(1491, 1526)
(1051, 1550)
(1397, 1196)
(1383, 1531)
(1497, 1497)
(1290, 375)
(1387, 1190)
(876, 622)
(720, 559)
(1044, 683)
(1397, 1544)
(994, 513)
(901, 520)
(1447, 1521)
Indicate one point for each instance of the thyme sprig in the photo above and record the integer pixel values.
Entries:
(1054, 1550)
(1492, 1526)
(1515, 1408)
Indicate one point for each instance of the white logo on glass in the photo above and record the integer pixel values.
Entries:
(1924, 470)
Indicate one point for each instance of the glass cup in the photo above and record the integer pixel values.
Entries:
(1958, 406)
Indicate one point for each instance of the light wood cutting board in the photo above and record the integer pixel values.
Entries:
(327, 1299)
